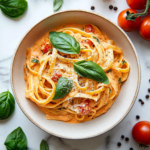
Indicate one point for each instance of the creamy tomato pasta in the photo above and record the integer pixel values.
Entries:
(74, 73)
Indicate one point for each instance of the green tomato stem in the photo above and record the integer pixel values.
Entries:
(132, 16)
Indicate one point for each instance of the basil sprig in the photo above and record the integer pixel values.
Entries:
(65, 43)
(7, 105)
(44, 145)
(57, 4)
(16, 140)
(13, 8)
(63, 87)
(91, 70)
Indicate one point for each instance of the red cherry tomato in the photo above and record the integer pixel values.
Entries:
(144, 28)
(141, 132)
(89, 28)
(137, 4)
(89, 42)
(128, 25)
(84, 108)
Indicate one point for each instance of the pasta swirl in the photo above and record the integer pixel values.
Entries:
(87, 99)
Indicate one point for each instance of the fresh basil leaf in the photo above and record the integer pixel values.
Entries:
(7, 105)
(124, 62)
(57, 4)
(16, 140)
(63, 87)
(35, 60)
(96, 39)
(52, 33)
(90, 70)
(13, 8)
(65, 43)
(44, 145)
(61, 108)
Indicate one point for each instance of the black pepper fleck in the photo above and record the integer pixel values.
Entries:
(111, 7)
(122, 136)
(131, 148)
(147, 96)
(140, 100)
(92, 7)
(137, 117)
(149, 90)
(142, 103)
(149, 80)
(119, 144)
(115, 8)
(127, 139)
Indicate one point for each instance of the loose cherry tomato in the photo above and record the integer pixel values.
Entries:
(89, 42)
(128, 25)
(137, 4)
(84, 107)
(89, 28)
(56, 76)
(141, 132)
(144, 28)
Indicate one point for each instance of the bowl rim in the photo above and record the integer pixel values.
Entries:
(137, 88)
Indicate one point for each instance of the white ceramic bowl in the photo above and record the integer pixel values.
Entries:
(122, 104)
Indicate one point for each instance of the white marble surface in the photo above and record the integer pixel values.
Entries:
(12, 31)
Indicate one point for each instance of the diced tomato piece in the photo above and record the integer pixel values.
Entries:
(45, 46)
(85, 108)
(89, 28)
(89, 42)
(56, 76)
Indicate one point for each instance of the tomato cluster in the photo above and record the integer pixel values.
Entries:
(130, 19)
